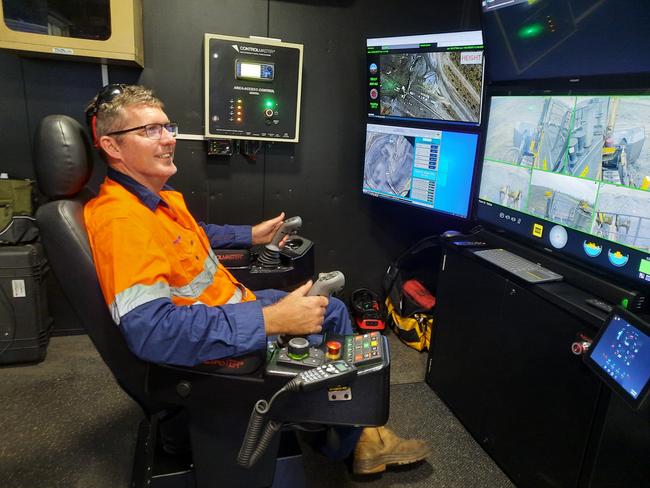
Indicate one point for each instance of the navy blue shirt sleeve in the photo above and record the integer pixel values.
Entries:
(161, 332)
(228, 236)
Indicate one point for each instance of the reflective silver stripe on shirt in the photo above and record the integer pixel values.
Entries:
(198, 285)
(135, 296)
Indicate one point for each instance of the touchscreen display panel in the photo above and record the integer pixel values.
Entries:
(622, 355)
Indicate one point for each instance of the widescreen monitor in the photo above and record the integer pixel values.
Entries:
(433, 77)
(620, 356)
(567, 39)
(572, 175)
(427, 168)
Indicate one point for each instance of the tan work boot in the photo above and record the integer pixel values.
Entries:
(379, 446)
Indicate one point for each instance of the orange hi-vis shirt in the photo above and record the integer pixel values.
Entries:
(163, 283)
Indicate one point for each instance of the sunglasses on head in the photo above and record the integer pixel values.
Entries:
(105, 95)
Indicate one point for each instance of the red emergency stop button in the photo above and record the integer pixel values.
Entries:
(333, 349)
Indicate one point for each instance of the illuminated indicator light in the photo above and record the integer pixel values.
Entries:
(625, 302)
(270, 103)
(239, 100)
(529, 31)
(238, 113)
(238, 119)
(538, 230)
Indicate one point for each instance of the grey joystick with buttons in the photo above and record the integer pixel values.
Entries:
(289, 226)
(270, 258)
(327, 283)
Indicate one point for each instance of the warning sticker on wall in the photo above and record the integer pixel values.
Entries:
(18, 287)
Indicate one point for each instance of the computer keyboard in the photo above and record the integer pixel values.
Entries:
(518, 266)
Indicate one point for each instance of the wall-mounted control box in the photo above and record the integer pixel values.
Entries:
(88, 30)
(252, 88)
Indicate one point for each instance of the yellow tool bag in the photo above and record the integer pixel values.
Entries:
(409, 302)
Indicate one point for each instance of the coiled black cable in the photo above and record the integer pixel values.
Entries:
(255, 441)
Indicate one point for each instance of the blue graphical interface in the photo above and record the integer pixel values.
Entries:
(427, 168)
(623, 352)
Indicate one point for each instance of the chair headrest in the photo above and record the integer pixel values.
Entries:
(62, 156)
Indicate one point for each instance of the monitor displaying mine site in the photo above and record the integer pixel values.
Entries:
(573, 174)
(433, 77)
(427, 168)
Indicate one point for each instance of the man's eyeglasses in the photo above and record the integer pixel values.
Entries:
(153, 131)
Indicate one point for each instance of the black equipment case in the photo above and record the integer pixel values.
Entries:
(24, 320)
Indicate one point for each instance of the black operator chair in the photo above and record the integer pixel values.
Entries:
(63, 165)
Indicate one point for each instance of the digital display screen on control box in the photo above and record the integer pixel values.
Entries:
(620, 355)
(428, 168)
(433, 77)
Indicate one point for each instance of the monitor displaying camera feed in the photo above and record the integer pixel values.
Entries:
(434, 77)
(572, 173)
(432, 169)
(620, 355)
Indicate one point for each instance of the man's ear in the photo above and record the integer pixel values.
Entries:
(110, 147)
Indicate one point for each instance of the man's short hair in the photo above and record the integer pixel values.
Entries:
(110, 113)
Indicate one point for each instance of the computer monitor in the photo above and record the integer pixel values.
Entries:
(428, 168)
(569, 39)
(432, 77)
(571, 174)
(620, 356)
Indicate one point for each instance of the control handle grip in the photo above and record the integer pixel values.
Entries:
(290, 226)
(327, 283)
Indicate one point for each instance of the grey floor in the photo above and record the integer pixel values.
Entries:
(65, 423)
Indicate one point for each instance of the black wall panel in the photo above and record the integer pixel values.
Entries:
(319, 178)
(15, 147)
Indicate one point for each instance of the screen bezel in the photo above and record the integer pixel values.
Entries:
(642, 399)
(592, 86)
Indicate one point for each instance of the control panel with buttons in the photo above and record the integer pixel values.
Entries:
(364, 349)
(252, 88)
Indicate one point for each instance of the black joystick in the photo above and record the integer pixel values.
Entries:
(270, 257)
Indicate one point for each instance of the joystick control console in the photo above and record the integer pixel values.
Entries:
(270, 257)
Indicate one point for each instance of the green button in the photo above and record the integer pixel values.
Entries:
(297, 357)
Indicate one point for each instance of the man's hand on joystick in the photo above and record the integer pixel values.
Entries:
(270, 257)
(296, 314)
(264, 232)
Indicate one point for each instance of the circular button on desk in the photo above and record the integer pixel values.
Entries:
(333, 349)
(298, 348)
